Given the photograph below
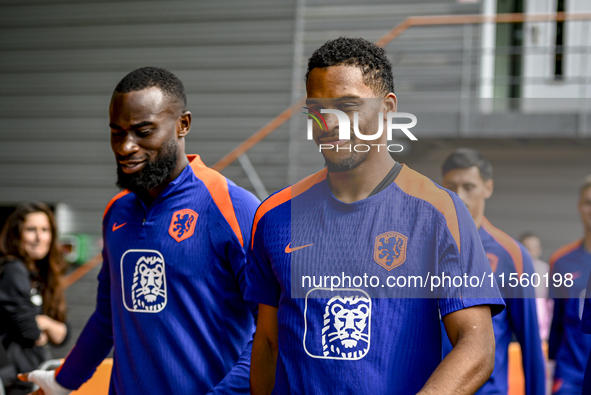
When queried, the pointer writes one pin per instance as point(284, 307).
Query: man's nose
point(127, 146)
point(332, 122)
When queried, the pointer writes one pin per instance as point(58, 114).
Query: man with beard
point(365, 217)
point(170, 289)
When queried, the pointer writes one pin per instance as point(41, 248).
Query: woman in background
point(32, 302)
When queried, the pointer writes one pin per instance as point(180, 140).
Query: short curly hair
point(368, 57)
point(148, 77)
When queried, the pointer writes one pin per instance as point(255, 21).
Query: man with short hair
point(364, 220)
point(170, 289)
point(468, 174)
point(570, 268)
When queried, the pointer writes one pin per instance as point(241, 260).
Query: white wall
point(538, 70)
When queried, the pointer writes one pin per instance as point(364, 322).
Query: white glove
point(46, 381)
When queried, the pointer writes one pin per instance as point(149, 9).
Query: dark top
point(19, 304)
point(17, 310)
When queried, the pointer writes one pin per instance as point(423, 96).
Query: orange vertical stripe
point(507, 242)
point(419, 186)
point(286, 194)
point(217, 186)
point(115, 198)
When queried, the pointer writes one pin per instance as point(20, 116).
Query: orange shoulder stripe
point(283, 196)
point(419, 186)
point(564, 250)
point(115, 198)
point(507, 242)
point(217, 185)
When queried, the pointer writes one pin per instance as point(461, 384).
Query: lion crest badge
point(345, 333)
point(390, 250)
point(182, 224)
point(144, 281)
point(337, 324)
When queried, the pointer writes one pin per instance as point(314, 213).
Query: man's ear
point(185, 124)
point(390, 104)
point(488, 186)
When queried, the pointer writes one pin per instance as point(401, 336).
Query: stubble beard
point(347, 163)
point(354, 158)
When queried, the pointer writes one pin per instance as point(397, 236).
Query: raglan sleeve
point(231, 245)
point(262, 285)
point(462, 261)
point(523, 319)
point(96, 340)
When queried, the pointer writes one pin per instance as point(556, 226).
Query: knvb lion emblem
point(337, 324)
point(346, 331)
point(182, 225)
point(148, 292)
point(390, 250)
point(143, 280)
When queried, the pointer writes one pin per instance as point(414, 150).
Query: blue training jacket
point(170, 291)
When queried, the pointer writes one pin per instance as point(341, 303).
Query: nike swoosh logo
point(115, 226)
point(288, 249)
